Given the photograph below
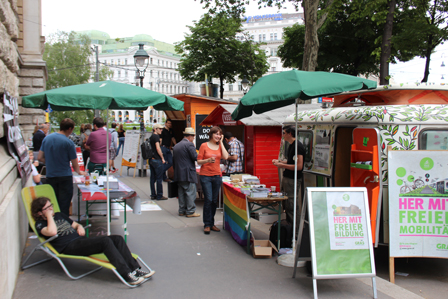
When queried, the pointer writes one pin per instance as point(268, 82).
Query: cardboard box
point(263, 249)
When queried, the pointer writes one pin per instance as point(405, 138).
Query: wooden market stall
point(196, 109)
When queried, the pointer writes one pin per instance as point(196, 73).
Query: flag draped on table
point(236, 213)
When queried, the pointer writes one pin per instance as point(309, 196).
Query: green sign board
point(341, 238)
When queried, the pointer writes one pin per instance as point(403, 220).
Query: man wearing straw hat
point(184, 157)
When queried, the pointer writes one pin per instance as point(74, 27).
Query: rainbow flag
point(236, 213)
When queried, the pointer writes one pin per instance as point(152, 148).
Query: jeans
point(63, 188)
point(186, 196)
point(168, 156)
point(156, 167)
point(120, 143)
point(288, 187)
point(112, 246)
point(210, 186)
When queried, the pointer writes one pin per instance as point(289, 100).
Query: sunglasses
point(49, 207)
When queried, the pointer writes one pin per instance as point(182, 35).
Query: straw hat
point(189, 131)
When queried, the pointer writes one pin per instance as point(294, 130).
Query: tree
point(315, 12)
point(213, 49)
point(67, 57)
point(426, 28)
point(345, 47)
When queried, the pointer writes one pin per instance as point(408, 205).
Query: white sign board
point(418, 203)
point(130, 151)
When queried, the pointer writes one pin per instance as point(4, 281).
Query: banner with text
point(341, 238)
point(418, 203)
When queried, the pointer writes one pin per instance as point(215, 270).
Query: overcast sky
point(166, 20)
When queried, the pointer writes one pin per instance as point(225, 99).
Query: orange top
point(209, 169)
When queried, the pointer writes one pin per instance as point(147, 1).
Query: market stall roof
point(221, 115)
point(187, 98)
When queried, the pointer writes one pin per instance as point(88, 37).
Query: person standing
point(167, 139)
point(121, 136)
point(184, 157)
point(156, 164)
point(210, 153)
point(113, 148)
point(97, 144)
point(288, 174)
point(235, 162)
point(39, 136)
point(57, 151)
point(84, 137)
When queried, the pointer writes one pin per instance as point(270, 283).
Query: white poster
point(418, 203)
point(347, 220)
point(130, 151)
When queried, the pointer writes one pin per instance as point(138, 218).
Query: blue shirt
point(58, 150)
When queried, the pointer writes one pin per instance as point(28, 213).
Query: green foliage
point(67, 57)
point(213, 49)
point(345, 47)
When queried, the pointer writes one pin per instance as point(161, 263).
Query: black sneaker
point(144, 274)
point(132, 279)
point(153, 197)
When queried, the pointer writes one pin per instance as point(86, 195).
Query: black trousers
point(63, 188)
point(114, 247)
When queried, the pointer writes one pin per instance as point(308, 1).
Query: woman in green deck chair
point(71, 240)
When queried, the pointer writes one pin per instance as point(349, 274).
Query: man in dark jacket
point(184, 157)
point(39, 136)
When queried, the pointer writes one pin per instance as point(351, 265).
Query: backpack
point(147, 152)
point(285, 234)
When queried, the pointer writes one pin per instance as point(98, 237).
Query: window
point(264, 37)
point(105, 61)
point(272, 36)
point(433, 140)
point(119, 74)
point(158, 61)
point(111, 61)
point(125, 61)
point(230, 87)
point(118, 61)
point(150, 60)
point(240, 86)
point(125, 73)
point(273, 69)
point(260, 37)
point(275, 36)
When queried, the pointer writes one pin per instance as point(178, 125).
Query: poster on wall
point(418, 203)
point(16, 144)
point(322, 149)
point(201, 131)
point(341, 237)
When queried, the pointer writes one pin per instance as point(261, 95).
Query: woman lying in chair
point(71, 240)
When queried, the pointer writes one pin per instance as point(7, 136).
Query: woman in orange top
point(210, 153)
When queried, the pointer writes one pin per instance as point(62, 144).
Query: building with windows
point(266, 29)
point(161, 75)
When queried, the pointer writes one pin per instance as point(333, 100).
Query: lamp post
point(245, 85)
point(141, 60)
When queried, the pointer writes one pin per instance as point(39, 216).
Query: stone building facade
point(22, 72)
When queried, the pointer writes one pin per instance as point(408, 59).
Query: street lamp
point(245, 85)
point(141, 60)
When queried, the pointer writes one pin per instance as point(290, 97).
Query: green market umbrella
point(102, 95)
point(282, 89)
point(285, 88)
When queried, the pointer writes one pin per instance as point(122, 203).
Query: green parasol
point(101, 95)
point(282, 89)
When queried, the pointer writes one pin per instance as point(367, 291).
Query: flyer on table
point(418, 203)
point(347, 220)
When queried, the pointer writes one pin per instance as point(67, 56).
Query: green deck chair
point(28, 195)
